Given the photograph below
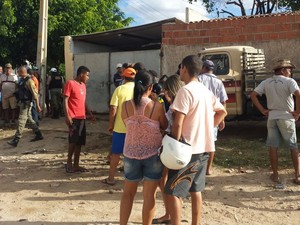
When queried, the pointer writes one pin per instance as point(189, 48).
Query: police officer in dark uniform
point(56, 84)
point(25, 95)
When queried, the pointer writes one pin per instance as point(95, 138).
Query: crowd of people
point(20, 104)
point(188, 107)
point(156, 107)
point(9, 80)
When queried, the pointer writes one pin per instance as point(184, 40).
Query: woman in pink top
point(144, 120)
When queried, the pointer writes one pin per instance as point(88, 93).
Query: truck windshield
point(221, 62)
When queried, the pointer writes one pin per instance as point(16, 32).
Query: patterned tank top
point(143, 136)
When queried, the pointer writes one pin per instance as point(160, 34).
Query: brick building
point(277, 34)
point(163, 44)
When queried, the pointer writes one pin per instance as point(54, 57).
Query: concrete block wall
point(277, 34)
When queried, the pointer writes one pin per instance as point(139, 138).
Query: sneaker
point(14, 142)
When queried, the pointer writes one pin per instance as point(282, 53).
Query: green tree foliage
point(292, 5)
point(19, 25)
point(258, 6)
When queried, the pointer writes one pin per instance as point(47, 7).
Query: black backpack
point(23, 94)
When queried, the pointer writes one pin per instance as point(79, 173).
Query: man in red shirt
point(75, 112)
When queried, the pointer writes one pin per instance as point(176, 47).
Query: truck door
point(231, 80)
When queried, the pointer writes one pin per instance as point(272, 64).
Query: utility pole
point(41, 58)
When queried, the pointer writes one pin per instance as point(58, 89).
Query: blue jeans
point(34, 113)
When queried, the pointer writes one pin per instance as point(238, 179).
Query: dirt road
point(34, 188)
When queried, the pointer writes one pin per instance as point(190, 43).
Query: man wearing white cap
point(279, 90)
point(8, 85)
point(118, 80)
point(55, 84)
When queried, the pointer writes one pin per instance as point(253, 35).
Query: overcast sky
point(145, 11)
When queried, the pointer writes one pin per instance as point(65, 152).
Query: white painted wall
point(84, 47)
point(98, 84)
point(102, 64)
point(150, 58)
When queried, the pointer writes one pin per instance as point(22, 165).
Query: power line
point(137, 9)
point(159, 12)
point(142, 11)
point(140, 5)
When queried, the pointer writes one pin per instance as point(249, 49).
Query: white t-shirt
point(170, 120)
point(279, 91)
point(8, 84)
point(199, 105)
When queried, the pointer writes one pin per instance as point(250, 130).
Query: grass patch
point(234, 151)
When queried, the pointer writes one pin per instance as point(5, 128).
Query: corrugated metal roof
point(148, 36)
point(141, 37)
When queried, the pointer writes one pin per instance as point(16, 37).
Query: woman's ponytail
point(142, 82)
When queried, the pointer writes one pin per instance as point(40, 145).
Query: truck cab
point(231, 63)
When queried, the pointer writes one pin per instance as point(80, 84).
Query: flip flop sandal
point(279, 186)
point(105, 181)
point(68, 170)
point(81, 170)
point(160, 221)
point(296, 181)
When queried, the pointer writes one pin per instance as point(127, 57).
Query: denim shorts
point(138, 169)
point(118, 140)
point(191, 178)
point(285, 129)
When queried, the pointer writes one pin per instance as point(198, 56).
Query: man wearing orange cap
point(116, 125)
point(279, 90)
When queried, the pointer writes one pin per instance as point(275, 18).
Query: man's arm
point(258, 104)
point(177, 125)
point(34, 93)
point(162, 119)
point(87, 110)
point(219, 116)
point(36, 99)
point(297, 95)
point(222, 124)
point(66, 110)
point(112, 116)
point(296, 113)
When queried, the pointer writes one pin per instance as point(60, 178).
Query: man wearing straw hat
point(279, 90)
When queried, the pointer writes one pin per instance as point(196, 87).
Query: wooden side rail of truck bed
point(254, 77)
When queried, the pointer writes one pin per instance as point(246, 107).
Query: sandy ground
point(34, 188)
